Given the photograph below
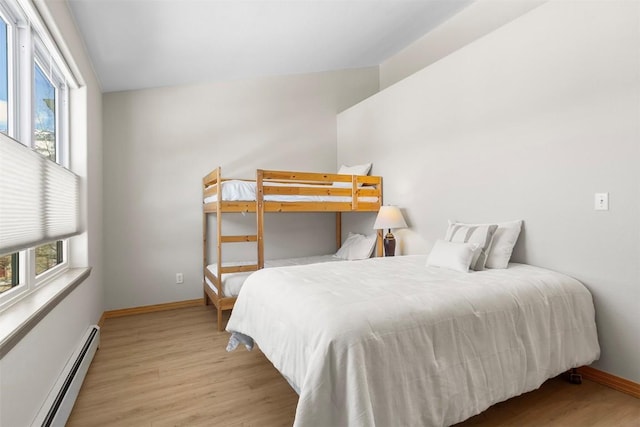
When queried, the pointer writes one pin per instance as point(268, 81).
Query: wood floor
point(171, 369)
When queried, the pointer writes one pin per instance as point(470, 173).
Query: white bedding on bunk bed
point(389, 341)
point(242, 191)
point(232, 282)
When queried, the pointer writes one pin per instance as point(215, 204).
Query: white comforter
point(391, 342)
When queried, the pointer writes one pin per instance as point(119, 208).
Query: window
point(44, 117)
point(34, 111)
point(8, 263)
point(45, 142)
point(48, 256)
point(8, 272)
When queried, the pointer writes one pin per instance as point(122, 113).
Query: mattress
point(390, 341)
point(243, 191)
point(232, 282)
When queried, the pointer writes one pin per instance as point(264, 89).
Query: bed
point(392, 342)
point(349, 190)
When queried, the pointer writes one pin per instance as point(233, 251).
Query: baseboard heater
point(57, 407)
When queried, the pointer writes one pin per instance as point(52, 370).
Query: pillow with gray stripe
point(480, 234)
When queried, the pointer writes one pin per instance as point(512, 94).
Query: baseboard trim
point(151, 308)
point(101, 321)
point(609, 380)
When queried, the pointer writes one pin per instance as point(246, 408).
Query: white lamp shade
point(389, 217)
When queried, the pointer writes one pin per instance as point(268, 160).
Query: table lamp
point(389, 217)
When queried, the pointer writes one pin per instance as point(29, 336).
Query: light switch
point(601, 202)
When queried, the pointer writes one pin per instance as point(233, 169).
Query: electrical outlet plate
point(179, 278)
point(601, 202)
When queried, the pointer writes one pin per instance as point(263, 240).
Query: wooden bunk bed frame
point(288, 184)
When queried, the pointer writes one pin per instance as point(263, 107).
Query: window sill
point(18, 319)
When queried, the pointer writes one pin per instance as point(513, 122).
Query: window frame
point(50, 273)
point(27, 47)
point(12, 48)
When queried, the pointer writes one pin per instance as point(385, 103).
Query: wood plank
point(300, 176)
point(307, 191)
point(238, 268)
point(224, 303)
point(319, 207)
point(338, 230)
point(610, 380)
point(205, 233)
point(110, 314)
point(211, 178)
point(237, 207)
point(249, 207)
point(260, 209)
point(379, 244)
point(239, 239)
point(313, 177)
point(210, 191)
point(369, 192)
point(369, 180)
point(323, 192)
point(354, 198)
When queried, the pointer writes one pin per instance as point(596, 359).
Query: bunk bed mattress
point(232, 282)
point(389, 341)
point(246, 191)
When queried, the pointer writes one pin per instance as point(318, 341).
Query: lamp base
point(389, 244)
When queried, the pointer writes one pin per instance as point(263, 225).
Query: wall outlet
point(601, 202)
point(179, 278)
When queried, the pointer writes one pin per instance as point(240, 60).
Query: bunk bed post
point(380, 240)
point(354, 192)
point(204, 244)
point(338, 230)
point(260, 216)
point(379, 244)
point(204, 254)
point(218, 283)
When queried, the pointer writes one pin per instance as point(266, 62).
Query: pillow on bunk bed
point(357, 246)
point(352, 170)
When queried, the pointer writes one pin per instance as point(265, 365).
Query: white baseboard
point(57, 407)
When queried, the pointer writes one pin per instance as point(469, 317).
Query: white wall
point(474, 21)
point(30, 369)
point(159, 143)
point(526, 122)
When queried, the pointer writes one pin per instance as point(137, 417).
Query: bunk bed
point(274, 191)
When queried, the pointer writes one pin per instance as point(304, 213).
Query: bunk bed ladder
point(221, 302)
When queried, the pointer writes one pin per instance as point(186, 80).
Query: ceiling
point(137, 44)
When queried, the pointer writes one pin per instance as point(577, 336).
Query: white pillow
point(452, 255)
point(504, 240)
point(352, 170)
point(481, 234)
point(357, 246)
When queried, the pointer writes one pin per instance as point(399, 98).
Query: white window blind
point(38, 198)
